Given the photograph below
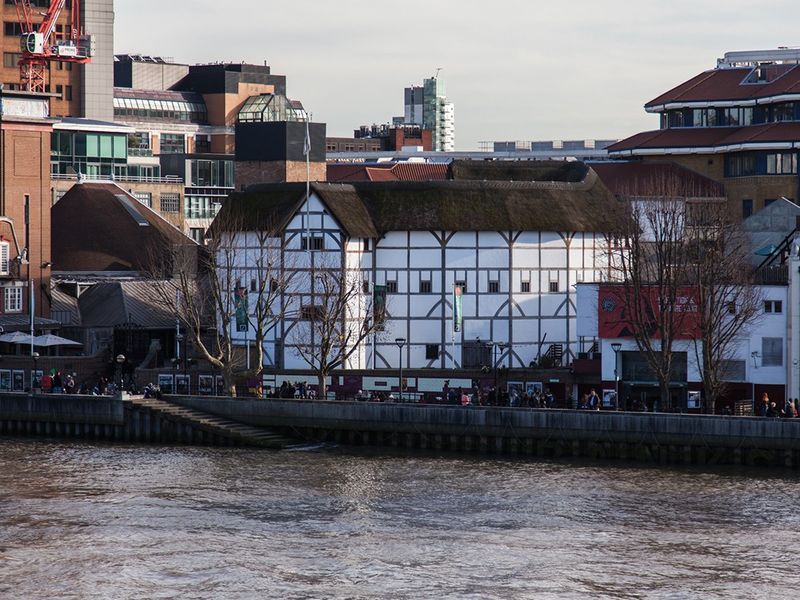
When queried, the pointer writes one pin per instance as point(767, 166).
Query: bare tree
point(649, 262)
point(682, 274)
point(334, 320)
point(232, 285)
point(728, 300)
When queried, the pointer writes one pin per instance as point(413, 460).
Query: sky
point(514, 69)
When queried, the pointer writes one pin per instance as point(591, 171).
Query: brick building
point(738, 124)
point(25, 257)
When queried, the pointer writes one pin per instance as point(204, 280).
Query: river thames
point(117, 522)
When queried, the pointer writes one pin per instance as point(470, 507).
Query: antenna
point(436, 76)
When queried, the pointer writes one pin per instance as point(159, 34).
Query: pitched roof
point(111, 304)
point(370, 209)
point(101, 227)
point(732, 84)
point(388, 172)
point(640, 179)
point(709, 137)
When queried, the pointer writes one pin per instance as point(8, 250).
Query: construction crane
point(40, 45)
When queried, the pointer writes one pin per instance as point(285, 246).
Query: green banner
point(240, 304)
point(457, 311)
point(379, 305)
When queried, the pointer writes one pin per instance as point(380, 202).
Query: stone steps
point(241, 433)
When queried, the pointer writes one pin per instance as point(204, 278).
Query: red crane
point(40, 45)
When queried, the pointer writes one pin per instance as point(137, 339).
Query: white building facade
point(515, 250)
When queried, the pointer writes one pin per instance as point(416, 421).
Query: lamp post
point(616, 347)
point(400, 343)
point(35, 383)
point(502, 346)
point(120, 360)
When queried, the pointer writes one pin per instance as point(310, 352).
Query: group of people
point(768, 408)
point(288, 389)
point(55, 383)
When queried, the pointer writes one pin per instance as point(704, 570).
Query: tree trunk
point(664, 398)
point(323, 392)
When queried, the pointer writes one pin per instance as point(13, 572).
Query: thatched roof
point(371, 209)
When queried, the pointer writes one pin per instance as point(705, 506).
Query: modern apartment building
point(428, 107)
point(738, 123)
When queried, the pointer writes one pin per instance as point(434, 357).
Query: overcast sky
point(515, 69)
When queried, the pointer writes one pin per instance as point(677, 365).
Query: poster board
point(205, 385)
point(693, 400)
point(5, 380)
point(182, 384)
point(18, 381)
point(609, 398)
point(165, 383)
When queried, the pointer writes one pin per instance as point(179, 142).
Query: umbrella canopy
point(49, 339)
point(16, 337)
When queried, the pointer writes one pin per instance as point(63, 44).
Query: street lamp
point(616, 347)
point(502, 346)
point(120, 360)
point(35, 383)
point(400, 343)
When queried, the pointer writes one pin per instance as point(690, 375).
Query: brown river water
point(121, 522)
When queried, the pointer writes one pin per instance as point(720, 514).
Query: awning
point(49, 339)
point(15, 337)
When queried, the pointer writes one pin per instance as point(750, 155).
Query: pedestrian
point(789, 411)
point(594, 400)
point(58, 387)
point(762, 409)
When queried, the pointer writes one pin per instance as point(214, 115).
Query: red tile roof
point(729, 84)
point(711, 137)
point(650, 179)
point(389, 172)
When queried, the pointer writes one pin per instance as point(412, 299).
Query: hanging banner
point(379, 306)
point(457, 311)
point(240, 304)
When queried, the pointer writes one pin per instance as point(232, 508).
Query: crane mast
point(40, 45)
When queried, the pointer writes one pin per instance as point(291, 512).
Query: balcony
point(120, 178)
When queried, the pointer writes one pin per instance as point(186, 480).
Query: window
point(431, 351)
point(526, 287)
point(773, 306)
point(13, 300)
point(772, 352)
point(145, 198)
point(554, 286)
point(170, 202)
point(391, 287)
point(172, 143)
point(197, 234)
point(747, 207)
point(365, 246)
point(317, 242)
point(768, 201)
point(253, 285)
point(494, 287)
point(310, 313)
point(463, 285)
point(4, 253)
point(781, 163)
point(365, 287)
point(425, 286)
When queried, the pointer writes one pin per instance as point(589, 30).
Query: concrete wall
point(51, 408)
point(519, 423)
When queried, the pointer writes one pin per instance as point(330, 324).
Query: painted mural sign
point(614, 316)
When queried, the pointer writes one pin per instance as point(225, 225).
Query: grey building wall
point(97, 85)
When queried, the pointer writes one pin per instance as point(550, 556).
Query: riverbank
point(647, 437)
